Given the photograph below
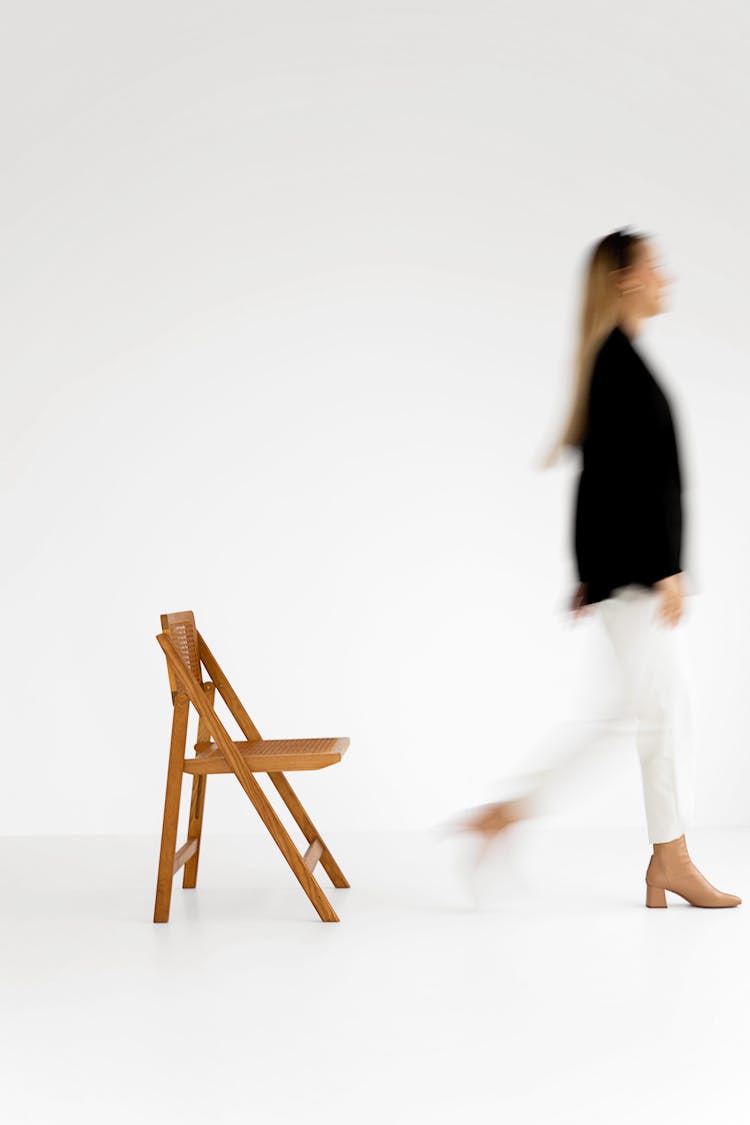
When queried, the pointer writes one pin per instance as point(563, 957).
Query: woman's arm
point(632, 464)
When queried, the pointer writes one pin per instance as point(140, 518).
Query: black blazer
point(628, 522)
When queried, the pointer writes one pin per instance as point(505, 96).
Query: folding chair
point(215, 752)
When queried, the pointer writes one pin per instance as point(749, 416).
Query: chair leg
point(306, 879)
point(284, 841)
point(171, 808)
point(309, 831)
point(195, 827)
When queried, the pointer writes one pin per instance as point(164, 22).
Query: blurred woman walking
point(627, 536)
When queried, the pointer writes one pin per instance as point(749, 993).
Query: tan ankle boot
point(671, 869)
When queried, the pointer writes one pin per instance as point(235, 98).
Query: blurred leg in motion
point(652, 703)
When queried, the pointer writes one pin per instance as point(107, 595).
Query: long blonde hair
point(599, 314)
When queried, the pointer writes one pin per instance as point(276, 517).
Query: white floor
point(544, 992)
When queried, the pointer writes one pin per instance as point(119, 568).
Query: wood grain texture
point(171, 807)
point(262, 756)
point(197, 803)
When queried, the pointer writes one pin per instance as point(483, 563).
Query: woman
point(628, 531)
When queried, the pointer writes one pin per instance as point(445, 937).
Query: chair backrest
point(180, 634)
point(181, 630)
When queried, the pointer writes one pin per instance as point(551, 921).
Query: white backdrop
point(289, 299)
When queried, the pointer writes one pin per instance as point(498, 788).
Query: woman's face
point(647, 272)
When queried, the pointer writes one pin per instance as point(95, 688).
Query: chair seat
point(270, 755)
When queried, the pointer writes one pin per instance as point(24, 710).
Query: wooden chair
point(215, 752)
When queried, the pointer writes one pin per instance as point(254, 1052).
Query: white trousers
point(651, 702)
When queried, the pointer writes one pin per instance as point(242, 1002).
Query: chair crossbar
point(313, 854)
point(183, 855)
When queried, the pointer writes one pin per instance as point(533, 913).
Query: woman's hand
point(672, 600)
point(577, 608)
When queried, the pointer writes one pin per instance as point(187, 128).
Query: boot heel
point(655, 896)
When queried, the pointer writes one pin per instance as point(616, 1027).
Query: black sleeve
point(633, 454)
